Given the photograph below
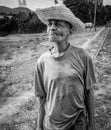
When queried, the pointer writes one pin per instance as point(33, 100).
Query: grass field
point(18, 56)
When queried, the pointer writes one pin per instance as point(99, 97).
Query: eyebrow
point(50, 20)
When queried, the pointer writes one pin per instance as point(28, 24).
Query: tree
point(55, 1)
point(79, 8)
point(20, 3)
point(84, 10)
point(24, 2)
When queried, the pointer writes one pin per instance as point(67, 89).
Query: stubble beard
point(58, 38)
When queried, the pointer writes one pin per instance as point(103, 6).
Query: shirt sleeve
point(90, 79)
point(39, 86)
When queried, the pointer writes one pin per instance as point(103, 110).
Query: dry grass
point(18, 56)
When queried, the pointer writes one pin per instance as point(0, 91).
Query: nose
point(53, 26)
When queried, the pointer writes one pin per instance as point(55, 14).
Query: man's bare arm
point(41, 113)
point(89, 102)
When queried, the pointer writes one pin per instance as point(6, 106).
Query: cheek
point(66, 33)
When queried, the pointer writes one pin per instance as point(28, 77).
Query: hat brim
point(61, 13)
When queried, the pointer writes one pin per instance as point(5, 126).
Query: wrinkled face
point(58, 30)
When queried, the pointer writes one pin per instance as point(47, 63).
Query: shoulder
point(80, 51)
point(81, 55)
point(42, 58)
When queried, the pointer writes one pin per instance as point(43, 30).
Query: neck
point(61, 47)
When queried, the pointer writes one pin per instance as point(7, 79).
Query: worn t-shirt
point(63, 81)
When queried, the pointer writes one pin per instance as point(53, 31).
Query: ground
point(18, 56)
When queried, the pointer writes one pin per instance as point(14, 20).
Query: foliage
point(22, 22)
point(85, 11)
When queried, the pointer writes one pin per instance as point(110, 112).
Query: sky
point(107, 2)
point(33, 4)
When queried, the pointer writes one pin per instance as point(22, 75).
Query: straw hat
point(60, 12)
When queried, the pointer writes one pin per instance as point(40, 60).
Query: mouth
point(53, 33)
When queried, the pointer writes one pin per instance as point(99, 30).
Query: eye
point(49, 24)
point(60, 24)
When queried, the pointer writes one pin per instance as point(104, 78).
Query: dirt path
point(103, 88)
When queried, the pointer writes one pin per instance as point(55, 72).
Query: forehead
point(59, 21)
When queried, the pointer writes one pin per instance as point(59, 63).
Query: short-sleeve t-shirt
point(63, 80)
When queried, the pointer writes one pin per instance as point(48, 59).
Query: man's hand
point(40, 128)
point(41, 114)
point(91, 127)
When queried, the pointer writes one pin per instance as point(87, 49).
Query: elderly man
point(64, 75)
